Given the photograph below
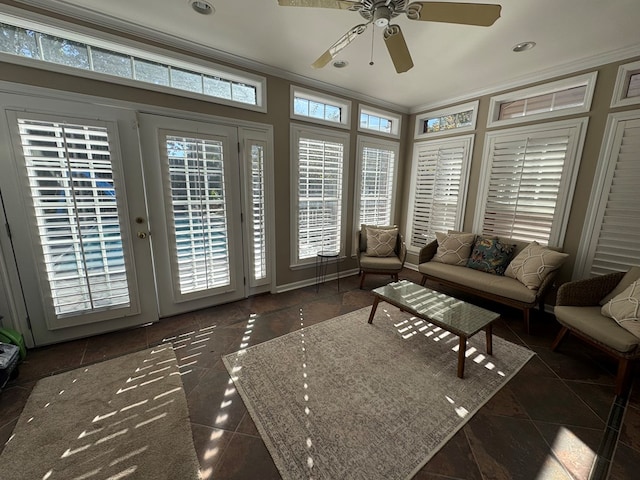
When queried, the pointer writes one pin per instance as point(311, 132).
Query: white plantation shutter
point(440, 170)
point(377, 170)
point(527, 174)
point(258, 238)
point(614, 239)
point(198, 212)
point(319, 184)
point(72, 188)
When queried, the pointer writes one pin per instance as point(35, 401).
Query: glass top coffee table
point(453, 315)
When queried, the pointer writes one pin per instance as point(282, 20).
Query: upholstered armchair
point(583, 309)
point(381, 251)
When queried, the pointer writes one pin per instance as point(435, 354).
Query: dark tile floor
point(549, 422)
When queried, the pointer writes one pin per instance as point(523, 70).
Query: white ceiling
point(451, 61)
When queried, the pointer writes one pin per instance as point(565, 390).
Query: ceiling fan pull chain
point(373, 32)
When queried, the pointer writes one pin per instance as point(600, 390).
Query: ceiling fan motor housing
point(380, 12)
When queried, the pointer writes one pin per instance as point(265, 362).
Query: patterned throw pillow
point(533, 264)
point(625, 308)
point(453, 248)
point(381, 242)
point(490, 255)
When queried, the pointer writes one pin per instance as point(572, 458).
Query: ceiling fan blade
point(339, 4)
point(398, 50)
point(483, 15)
point(342, 42)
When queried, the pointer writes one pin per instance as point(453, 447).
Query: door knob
point(142, 235)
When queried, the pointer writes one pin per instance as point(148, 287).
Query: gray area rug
point(347, 400)
point(125, 418)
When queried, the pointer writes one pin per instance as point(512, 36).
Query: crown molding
point(547, 74)
point(84, 14)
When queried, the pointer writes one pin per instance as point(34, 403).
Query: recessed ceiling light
point(340, 64)
point(521, 47)
point(202, 6)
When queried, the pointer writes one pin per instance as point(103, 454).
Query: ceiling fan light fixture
point(203, 7)
point(382, 16)
point(524, 46)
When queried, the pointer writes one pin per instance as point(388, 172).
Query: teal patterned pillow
point(490, 255)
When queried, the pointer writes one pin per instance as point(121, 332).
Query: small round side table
point(323, 259)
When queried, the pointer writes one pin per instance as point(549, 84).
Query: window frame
point(605, 170)
point(103, 40)
point(344, 105)
point(396, 121)
point(362, 142)
point(567, 182)
point(420, 119)
point(468, 142)
point(588, 79)
point(296, 132)
point(620, 91)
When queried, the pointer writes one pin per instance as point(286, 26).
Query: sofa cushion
point(631, 276)
point(591, 322)
point(381, 242)
point(453, 248)
point(494, 284)
point(625, 308)
point(533, 264)
point(490, 255)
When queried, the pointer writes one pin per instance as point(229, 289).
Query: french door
point(118, 218)
point(70, 200)
point(192, 174)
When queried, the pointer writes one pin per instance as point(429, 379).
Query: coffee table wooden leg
point(489, 340)
point(373, 308)
point(462, 350)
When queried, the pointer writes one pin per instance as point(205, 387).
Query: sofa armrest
point(587, 292)
point(427, 252)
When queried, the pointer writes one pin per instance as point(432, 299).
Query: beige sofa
point(498, 288)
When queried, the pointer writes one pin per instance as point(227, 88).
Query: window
point(627, 88)
point(458, 119)
point(380, 122)
point(318, 180)
point(93, 57)
point(376, 181)
point(440, 175)
point(611, 235)
point(527, 180)
point(71, 175)
point(319, 108)
point(563, 97)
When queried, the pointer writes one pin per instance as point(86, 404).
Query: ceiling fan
point(381, 12)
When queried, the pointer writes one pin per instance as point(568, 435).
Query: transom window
point(378, 121)
point(627, 88)
point(457, 119)
point(562, 97)
point(319, 108)
point(55, 47)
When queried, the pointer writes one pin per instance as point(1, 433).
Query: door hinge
point(8, 230)
point(244, 280)
point(238, 147)
point(29, 322)
point(241, 218)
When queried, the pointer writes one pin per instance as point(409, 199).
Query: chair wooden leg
point(394, 277)
point(525, 314)
point(424, 280)
point(561, 334)
point(623, 376)
point(362, 280)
